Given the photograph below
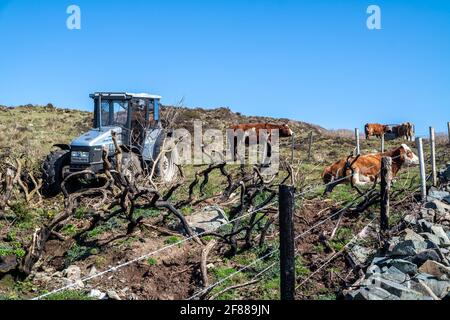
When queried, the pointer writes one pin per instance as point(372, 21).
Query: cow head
point(410, 159)
point(285, 131)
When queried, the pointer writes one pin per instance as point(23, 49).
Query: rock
point(92, 271)
point(97, 294)
point(437, 205)
point(395, 275)
point(210, 218)
point(437, 194)
point(422, 257)
point(411, 219)
point(72, 273)
point(373, 293)
point(399, 290)
point(408, 248)
point(441, 234)
point(373, 269)
point(7, 263)
point(431, 237)
point(361, 254)
point(439, 287)
point(404, 266)
point(113, 295)
point(435, 269)
point(425, 225)
point(411, 235)
point(428, 214)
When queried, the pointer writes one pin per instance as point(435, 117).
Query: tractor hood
point(97, 137)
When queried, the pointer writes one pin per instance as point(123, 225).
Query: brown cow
point(375, 129)
point(283, 129)
point(254, 129)
point(365, 169)
point(405, 131)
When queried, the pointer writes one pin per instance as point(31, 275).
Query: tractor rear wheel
point(52, 172)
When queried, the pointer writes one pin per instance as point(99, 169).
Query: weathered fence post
point(292, 149)
point(433, 156)
point(448, 128)
point(310, 145)
point(382, 143)
point(386, 177)
point(287, 243)
point(358, 149)
point(423, 178)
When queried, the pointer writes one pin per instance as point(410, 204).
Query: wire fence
point(209, 288)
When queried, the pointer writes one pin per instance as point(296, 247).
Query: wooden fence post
point(358, 149)
point(433, 156)
point(310, 145)
point(292, 150)
point(287, 242)
point(386, 177)
point(423, 178)
point(382, 143)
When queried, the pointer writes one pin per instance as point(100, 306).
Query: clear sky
point(312, 60)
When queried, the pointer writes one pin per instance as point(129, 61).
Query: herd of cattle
point(356, 170)
point(404, 130)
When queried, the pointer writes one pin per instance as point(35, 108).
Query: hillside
point(93, 238)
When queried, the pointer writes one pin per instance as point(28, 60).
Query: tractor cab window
point(114, 113)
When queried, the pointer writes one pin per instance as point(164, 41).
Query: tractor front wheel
point(52, 172)
point(165, 169)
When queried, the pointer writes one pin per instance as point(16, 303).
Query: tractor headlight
point(80, 156)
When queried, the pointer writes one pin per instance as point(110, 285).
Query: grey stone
point(437, 194)
point(380, 261)
point(113, 295)
point(361, 254)
point(425, 225)
point(8, 263)
point(374, 293)
point(422, 257)
point(399, 290)
point(441, 234)
point(411, 219)
point(72, 273)
point(210, 218)
point(395, 275)
point(428, 214)
point(439, 287)
point(408, 248)
point(437, 205)
point(97, 294)
point(411, 235)
point(404, 266)
point(92, 271)
point(431, 237)
point(373, 269)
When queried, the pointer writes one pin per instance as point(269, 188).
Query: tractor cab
point(133, 113)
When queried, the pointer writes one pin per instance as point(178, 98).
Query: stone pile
point(416, 264)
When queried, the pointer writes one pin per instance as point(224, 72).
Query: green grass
point(69, 295)
point(152, 261)
point(343, 236)
point(172, 240)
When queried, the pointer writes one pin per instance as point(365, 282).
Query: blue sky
point(312, 60)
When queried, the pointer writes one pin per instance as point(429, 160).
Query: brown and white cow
point(366, 168)
point(375, 129)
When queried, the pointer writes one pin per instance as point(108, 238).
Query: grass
point(343, 236)
point(172, 240)
point(152, 261)
point(69, 295)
